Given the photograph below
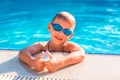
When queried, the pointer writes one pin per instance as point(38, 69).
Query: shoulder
point(40, 43)
point(72, 46)
point(36, 46)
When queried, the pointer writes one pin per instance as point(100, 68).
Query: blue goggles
point(66, 31)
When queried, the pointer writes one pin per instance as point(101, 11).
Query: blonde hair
point(66, 16)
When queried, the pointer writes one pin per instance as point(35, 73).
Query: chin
point(57, 41)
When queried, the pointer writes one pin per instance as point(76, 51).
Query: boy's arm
point(76, 55)
point(25, 55)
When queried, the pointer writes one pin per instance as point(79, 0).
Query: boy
point(61, 30)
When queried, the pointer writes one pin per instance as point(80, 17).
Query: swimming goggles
point(66, 31)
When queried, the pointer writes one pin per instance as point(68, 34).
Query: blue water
point(23, 22)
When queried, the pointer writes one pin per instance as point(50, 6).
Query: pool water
point(23, 22)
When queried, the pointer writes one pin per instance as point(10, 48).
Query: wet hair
point(65, 16)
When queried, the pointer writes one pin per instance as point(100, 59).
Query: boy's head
point(66, 17)
point(62, 27)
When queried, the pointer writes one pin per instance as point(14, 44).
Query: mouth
point(58, 38)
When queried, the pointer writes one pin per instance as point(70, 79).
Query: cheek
point(53, 33)
point(65, 38)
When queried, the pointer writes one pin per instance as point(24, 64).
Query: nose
point(60, 33)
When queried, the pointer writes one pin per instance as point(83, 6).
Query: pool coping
point(104, 67)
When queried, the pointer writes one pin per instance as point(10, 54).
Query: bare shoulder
point(71, 47)
point(34, 48)
point(36, 44)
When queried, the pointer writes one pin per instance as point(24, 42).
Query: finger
point(40, 55)
point(49, 54)
point(47, 64)
point(44, 60)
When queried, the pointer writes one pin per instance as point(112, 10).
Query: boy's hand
point(53, 64)
point(38, 63)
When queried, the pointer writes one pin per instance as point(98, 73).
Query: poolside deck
point(94, 67)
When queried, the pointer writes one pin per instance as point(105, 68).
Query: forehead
point(63, 23)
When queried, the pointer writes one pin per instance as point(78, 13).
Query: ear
point(49, 27)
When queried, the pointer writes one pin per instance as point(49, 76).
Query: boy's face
point(63, 35)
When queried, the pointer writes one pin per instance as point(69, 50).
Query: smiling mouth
point(58, 38)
